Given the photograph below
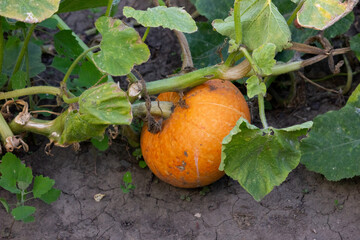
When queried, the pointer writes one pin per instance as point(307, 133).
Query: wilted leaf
point(173, 18)
point(105, 104)
point(333, 145)
point(205, 44)
point(118, 59)
point(261, 159)
point(255, 87)
point(23, 212)
point(261, 23)
point(28, 11)
point(321, 14)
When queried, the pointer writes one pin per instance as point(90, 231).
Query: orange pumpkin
point(187, 151)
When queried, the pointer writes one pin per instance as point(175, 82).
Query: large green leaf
point(23, 213)
point(105, 104)
point(174, 18)
point(12, 49)
point(261, 23)
point(205, 45)
point(121, 47)
point(10, 168)
point(76, 5)
point(28, 11)
point(355, 45)
point(321, 14)
point(213, 9)
point(42, 185)
point(333, 145)
point(261, 159)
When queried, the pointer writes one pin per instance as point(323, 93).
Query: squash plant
point(259, 46)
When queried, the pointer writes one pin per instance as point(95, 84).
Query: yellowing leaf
point(172, 18)
point(321, 14)
point(28, 11)
point(121, 47)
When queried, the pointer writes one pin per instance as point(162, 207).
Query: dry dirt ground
point(305, 207)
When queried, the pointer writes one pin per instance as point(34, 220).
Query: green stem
point(23, 49)
point(2, 44)
point(132, 78)
point(146, 34)
point(251, 61)
point(5, 130)
point(163, 109)
point(188, 80)
point(349, 76)
point(77, 60)
point(262, 111)
point(293, 14)
point(237, 22)
point(108, 9)
point(70, 100)
point(30, 91)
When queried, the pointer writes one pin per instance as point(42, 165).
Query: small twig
point(347, 86)
point(317, 85)
point(46, 111)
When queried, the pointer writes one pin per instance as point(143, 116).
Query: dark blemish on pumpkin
point(212, 88)
point(182, 167)
point(185, 153)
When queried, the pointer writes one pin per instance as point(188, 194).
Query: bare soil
point(305, 207)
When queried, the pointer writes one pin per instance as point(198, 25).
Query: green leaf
point(5, 204)
point(333, 145)
point(118, 59)
point(127, 177)
point(174, 18)
point(340, 27)
point(76, 129)
point(284, 7)
point(49, 23)
point(321, 14)
point(255, 87)
point(142, 164)
point(42, 185)
point(204, 45)
point(12, 49)
point(264, 56)
point(3, 80)
point(18, 80)
point(89, 75)
point(29, 11)
point(76, 5)
point(23, 212)
point(213, 9)
point(25, 178)
point(66, 44)
point(105, 104)
point(261, 159)
point(261, 23)
point(51, 196)
point(354, 99)
point(355, 45)
point(102, 144)
point(10, 166)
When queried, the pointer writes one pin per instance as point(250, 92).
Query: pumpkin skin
point(186, 153)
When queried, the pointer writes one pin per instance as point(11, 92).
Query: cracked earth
point(305, 206)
